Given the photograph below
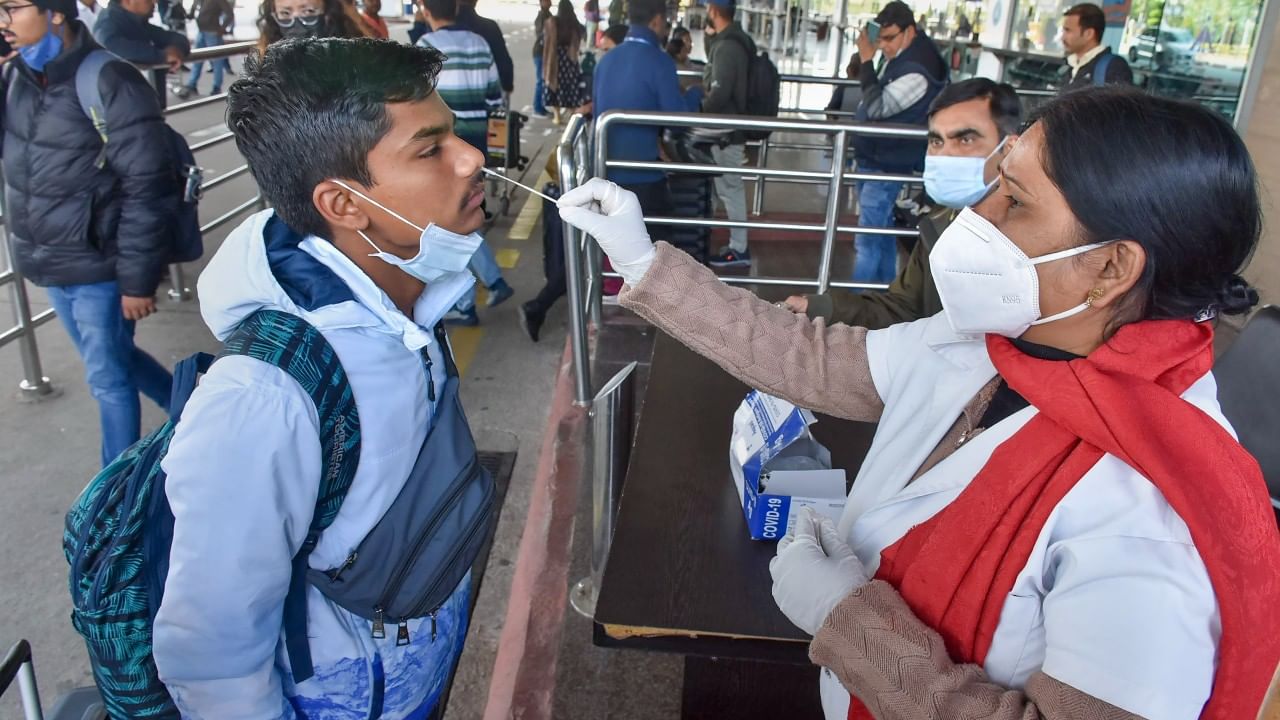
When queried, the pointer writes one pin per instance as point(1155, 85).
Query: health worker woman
point(1054, 519)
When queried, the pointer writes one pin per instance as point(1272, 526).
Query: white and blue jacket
point(243, 474)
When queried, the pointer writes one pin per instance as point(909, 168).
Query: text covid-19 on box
point(779, 467)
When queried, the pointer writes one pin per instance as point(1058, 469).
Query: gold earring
point(1094, 296)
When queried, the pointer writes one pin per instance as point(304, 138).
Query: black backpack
point(188, 242)
point(764, 89)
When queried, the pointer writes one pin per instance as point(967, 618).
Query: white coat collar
point(429, 309)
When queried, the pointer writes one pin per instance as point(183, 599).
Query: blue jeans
point(204, 40)
point(876, 256)
point(115, 369)
point(484, 265)
point(539, 104)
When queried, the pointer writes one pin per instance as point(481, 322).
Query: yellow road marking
point(527, 220)
point(507, 258)
point(465, 342)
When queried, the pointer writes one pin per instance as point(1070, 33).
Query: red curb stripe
point(524, 671)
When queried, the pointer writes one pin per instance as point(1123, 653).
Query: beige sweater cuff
point(899, 668)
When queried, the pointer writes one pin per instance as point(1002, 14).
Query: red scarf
point(956, 569)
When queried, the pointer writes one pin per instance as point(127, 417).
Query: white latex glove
point(613, 217)
point(813, 571)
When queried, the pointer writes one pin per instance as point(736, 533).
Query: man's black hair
point(616, 33)
point(729, 11)
point(898, 14)
point(311, 110)
point(1090, 17)
point(1006, 111)
point(642, 12)
point(442, 9)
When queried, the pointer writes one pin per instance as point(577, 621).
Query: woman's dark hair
point(569, 31)
point(306, 111)
point(339, 22)
point(1170, 175)
point(1006, 110)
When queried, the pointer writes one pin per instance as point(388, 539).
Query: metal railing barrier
point(18, 664)
point(34, 384)
point(582, 258)
point(612, 411)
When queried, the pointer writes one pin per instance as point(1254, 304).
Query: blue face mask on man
point(958, 182)
point(38, 55)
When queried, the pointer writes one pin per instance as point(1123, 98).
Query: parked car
point(1169, 47)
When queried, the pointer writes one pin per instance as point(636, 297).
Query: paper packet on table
point(779, 467)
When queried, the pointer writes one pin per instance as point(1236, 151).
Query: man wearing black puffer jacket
point(91, 222)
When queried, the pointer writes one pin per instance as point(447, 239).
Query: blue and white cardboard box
point(779, 467)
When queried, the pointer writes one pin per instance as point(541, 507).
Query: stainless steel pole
point(838, 151)
point(842, 19)
point(178, 290)
point(30, 694)
point(611, 414)
point(573, 271)
point(757, 205)
point(34, 384)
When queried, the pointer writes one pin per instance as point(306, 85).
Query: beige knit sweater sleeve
point(770, 348)
point(899, 668)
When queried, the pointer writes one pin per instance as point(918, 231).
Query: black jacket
point(492, 34)
point(70, 222)
point(1118, 72)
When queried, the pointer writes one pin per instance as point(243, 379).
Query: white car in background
point(1170, 48)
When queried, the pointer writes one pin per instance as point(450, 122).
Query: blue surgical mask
point(958, 182)
point(440, 253)
point(49, 47)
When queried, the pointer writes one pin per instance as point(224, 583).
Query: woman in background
point(561, 61)
point(281, 19)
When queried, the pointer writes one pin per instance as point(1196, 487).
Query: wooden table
point(683, 575)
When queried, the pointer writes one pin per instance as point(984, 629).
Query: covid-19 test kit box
point(779, 467)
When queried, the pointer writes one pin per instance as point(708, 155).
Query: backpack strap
point(1100, 70)
point(90, 95)
point(293, 345)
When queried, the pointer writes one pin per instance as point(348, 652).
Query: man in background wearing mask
point(972, 124)
point(376, 204)
point(899, 93)
point(124, 29)
point(89, 222)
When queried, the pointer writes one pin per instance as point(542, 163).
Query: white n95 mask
point(986, 283)
point(440, 252)
point(958, 182)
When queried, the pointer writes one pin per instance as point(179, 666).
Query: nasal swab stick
point(518, 184)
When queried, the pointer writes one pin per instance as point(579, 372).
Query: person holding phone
point(900, 93)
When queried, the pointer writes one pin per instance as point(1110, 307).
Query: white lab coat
point(1114, 600)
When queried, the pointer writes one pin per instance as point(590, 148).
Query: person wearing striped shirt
point(468, 84)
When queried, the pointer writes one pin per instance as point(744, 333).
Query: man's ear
point(338, 206)
point(58, 18)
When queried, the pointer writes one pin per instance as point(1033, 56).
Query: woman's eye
point(1013, 202)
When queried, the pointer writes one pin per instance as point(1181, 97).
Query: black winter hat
point(66, 7)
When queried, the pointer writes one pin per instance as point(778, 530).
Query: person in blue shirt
point(640, 75)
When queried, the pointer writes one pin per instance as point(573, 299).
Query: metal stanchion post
point(34, 384)
point(757, 204)
point(838, 151)
point(573, 266)
point(178, 292)
point(611, 414)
